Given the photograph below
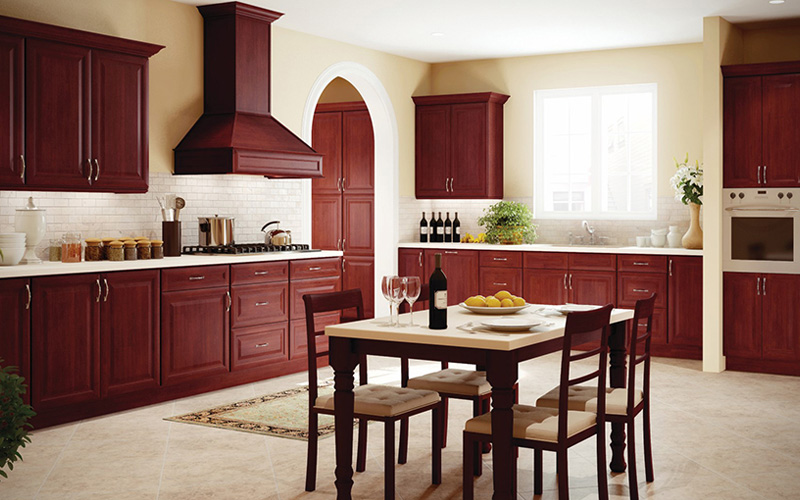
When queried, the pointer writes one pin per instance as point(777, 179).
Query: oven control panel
point(778, 197)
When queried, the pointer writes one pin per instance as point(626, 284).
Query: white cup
point(658, 240)
point(641, 241)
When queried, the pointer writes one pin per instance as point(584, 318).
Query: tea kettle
point(277, 236)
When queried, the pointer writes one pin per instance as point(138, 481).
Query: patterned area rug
point(284, 414)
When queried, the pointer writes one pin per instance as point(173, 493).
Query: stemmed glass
point(387, 294)
point(397, 292)
point(412, 294)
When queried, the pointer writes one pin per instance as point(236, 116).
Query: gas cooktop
point(246, 248)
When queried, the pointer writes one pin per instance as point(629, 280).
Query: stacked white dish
point(13, 247)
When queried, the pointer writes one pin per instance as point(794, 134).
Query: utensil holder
point(171, 234)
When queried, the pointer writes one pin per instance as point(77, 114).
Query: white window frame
point(593, 212)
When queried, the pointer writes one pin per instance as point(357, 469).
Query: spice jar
point(143, 249)
point(130, 249)
point(55, 250)
point(106, 244)
point(94, 252)
point(156, 249)
point(114, 251)
point(71, 248)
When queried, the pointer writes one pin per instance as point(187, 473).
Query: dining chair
point(623, 404)
point(381, 403)
point(554, 429)
point(448, 382)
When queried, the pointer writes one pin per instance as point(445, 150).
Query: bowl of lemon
point(502, 302)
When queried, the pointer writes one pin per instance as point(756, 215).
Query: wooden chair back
point(639, 347)
point(581, 328)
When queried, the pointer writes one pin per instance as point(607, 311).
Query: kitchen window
point(595, 152)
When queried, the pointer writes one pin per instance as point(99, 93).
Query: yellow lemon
point(502, 294)
point(476, 301)
point(492, 302)
point(506, 303)
point(518, 301)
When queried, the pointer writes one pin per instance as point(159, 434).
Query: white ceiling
point(475, 29)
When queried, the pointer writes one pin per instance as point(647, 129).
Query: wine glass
point(397, 288)
point(412, 294)
point(385, 289)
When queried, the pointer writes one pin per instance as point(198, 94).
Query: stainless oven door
point(762, 239)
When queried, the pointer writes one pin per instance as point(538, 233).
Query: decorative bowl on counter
point(493, 310)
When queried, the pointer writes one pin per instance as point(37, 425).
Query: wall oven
point(761, 231)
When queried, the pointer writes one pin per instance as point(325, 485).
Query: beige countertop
point(545, 247)
point(55, 268)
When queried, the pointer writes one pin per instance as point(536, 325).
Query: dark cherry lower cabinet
point(411, 262)
point(685, 337)
point(545, 286)
point(461, 269)
point(761, 322)
point(15, 341)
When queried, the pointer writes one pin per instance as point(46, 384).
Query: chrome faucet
point(589, 229)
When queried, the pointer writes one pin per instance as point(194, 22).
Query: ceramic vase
point(674, 237)
point(693, 239)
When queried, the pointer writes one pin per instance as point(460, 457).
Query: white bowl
point(493, 310)
point(12, 256)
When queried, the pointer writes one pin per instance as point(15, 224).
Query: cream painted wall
point(677, 69)
point(340, 90)
point(771, 44)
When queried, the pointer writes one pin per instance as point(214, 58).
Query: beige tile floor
point(716, 436)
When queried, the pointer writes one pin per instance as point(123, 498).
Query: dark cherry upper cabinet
point(326, 138)
point(358, 228)
point(15, 341)
point(65, 340)
point(461, 269)
point(685, 302)
point(12, 102)
point(459, 145)
point(761, 107)
point(85, 109)
point(358, 153)
point(326, 221)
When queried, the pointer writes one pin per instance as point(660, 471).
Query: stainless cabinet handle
point(765, 181)
point(642, 325)
point(500, 259)
point(344, 242)
point(452, 189)
point(640, 290)
point(570, 282)
point(196, 278)
point(670, 267)
point(343, 259)
point(759, 174)
point(641, 263)
point(447, 184)
point(265, 344)
point(500, 284)
point(339, 244)
point(764, 283)
point(565, 281)
point(28, 289)
point(259, 304)
point(89, 177)
point(96, 169)
point(260, 273)
point(758, 286)
point(105, 296)
point(339, 184)
point(314, 268)
point(22, 160)
point(344, 184)
point(99, 291)
point(420, 259)
point(450, 252)
point(230, 302)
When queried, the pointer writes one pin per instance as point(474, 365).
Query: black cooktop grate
point(244, 248)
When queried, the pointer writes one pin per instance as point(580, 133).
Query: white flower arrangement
point(688, 182)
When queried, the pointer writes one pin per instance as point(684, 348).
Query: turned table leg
point(501, 371)
point(344, 361)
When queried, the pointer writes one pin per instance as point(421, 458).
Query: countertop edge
point(546, 247)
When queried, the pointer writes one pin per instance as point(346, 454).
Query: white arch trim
point(384, 123)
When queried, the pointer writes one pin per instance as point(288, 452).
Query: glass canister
point(130, 249)
point(71, 247)
point(157, 249)
point(55, 249)
point(143, 250)
point(114, 251)
point(94, 252)
point(106, 245)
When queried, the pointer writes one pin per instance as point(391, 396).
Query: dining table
point(465, 340)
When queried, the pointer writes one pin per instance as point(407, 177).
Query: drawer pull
point(28, 290)
point(641, 263)
point(500, 259)
point(641, 290)
point(642, 325)
point(230, 302)
point(196, 278)
point(258, 304)
point(500, 284)
point(450, 252)
point(260, 273)
point(315, 268)
point(265, 344)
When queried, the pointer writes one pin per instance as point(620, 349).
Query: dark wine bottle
point(432, 229)
point(448, 229)
point(437, 311)
point(423, 229)
point(439, 229)
point(456, 230)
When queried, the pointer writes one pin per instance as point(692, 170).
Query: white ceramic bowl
point(493, 310)
point(12, 255)
point(658, 240)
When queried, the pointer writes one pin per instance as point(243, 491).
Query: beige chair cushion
point(531, 422)
point(584, 398)
point(384, 400)
point(453, 381)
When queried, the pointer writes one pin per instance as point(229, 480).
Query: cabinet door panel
point(359, 226)
point(57, 115)
point(359, 272)
point(259, 345)
point(495, 279)
point(191, 278)
point(781, 120)
point(326, 139)
point(411, 262)
point(686, 301)
point(297, 308)
point(636, 286)
point(15, 340)
point(259, 272)
point(546, 260)
point(12, 131)
point(432, 151)
point(468, 143)
point(642, 263)
point(741, 131)
point(545, 286)
point(259, 304)
point(741, 315)
point(501, 259)
point(119, 122)
point(461, 269)
point(326, 221)
point(195, 331)
point(129, 339)
point(314, 268)
point(65, 340)
point(781, 317)
point(593, 287)
point(358, 153)
point(592, 261)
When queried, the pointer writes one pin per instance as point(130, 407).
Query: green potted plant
point(14, 416)
point(508, 222)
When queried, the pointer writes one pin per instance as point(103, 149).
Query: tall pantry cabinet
point(343, 200)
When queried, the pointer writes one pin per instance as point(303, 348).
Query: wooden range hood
point(236, 133)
